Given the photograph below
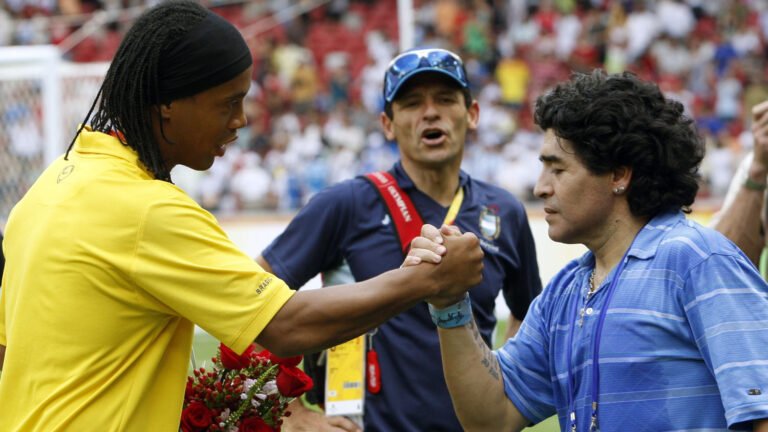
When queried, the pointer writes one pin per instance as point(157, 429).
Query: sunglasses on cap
point(411, 63)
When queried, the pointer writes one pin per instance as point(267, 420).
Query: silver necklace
point(590, 291)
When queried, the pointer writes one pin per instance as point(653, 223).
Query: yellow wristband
point(753, 185)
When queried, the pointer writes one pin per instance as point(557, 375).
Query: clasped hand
point(458, 257)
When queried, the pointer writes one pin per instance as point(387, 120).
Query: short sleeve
point(524, 362)
point(726, 302)
point(185, 261)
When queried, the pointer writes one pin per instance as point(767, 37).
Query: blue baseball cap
point(414, 62)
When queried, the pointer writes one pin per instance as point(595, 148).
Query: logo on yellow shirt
point(263, 285)
point(65, 173)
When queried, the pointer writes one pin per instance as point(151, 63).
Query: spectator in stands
point(348, 233)
point(660, 325)
point(512, 75)
point(716, 36)
point(642, 27)
point(111, 265)
point(742, 218)
point(370, 84)
point(304, 84)
point(6, 26)
point(675, 17)
point(250, 182)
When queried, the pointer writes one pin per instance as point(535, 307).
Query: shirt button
point(589, 311)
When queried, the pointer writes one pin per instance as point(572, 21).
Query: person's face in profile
point(199, 128)
point(578, 204)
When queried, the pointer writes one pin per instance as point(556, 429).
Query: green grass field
point(205, 348)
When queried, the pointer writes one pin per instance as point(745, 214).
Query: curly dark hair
point(619, 120)
point(131, 85)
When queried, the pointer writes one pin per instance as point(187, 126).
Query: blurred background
point(315, 101)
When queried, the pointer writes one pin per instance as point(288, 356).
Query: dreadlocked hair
point(131, 87)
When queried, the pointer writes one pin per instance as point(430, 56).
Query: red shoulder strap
point(404, 215)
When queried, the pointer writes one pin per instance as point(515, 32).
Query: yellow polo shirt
point(107, 270)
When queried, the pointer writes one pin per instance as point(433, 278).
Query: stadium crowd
point(315, 102)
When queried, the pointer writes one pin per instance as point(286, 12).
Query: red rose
point(288, 361)
point(292, 381)
point(231, 360)
point(254, 424)
point(196, 417)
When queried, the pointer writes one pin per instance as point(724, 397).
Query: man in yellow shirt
point(110, 265)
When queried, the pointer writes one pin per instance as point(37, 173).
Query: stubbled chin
point(562, 237)
point(553, 232)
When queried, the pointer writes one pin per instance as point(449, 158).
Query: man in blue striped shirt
point(661, 326)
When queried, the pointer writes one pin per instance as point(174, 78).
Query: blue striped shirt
point(684, 345)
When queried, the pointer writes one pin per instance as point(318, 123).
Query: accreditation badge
point(345, 364)
point(345, 378)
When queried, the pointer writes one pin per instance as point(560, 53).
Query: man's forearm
point(513, 325)
point(316, 319)
point(313, 320)
point(761, 425)
point(741, 223)
point(475, 383)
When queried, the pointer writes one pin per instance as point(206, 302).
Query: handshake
point(455, 261)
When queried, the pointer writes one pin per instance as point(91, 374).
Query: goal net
point(42, 100)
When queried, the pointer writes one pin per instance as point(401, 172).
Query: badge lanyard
point(373, 371)
point(453, 210)
point(595, 388)
point(354, 365)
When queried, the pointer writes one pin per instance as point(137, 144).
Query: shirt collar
point(93, 142)
point(405, 182)
point(648, 238)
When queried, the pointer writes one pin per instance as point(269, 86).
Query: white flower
point(243, 396)
point(270, 387)
point(255, 402)
point(260, 396)
point(224, 415)
point(248, 384)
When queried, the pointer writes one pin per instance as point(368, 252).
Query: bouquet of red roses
point(243, 393)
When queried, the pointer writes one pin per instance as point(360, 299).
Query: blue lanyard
point(595, 390)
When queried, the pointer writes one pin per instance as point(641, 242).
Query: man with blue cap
point(362, 227)
point(110, 265)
